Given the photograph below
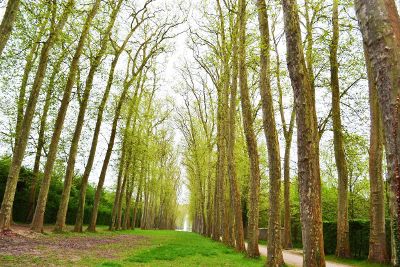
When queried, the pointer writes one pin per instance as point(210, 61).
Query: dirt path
point(21, 246)
point(294, 258)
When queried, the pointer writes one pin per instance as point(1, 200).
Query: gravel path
point(294, 258)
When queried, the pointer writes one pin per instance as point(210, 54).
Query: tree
point(307, 140)
point(41, 137)
point(37, 221)
point(7, 23)
point(380, 27)
point(274, 257)
point(252, 249)
point(19, 151)
point(343, 242)
point(377, 236)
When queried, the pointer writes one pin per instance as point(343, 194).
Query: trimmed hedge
point(20, 208)
point(359, 237)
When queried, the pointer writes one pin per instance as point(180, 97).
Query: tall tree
point(37, 221)
point(19, 150)
point(380, 27)
point(30, 61)
point(84, 99)
point(274, 257)
point(288, 129)
point(232, 173)
point(89, 165)
point(158, 36)
point(307, 140)
point(7, 23)
point(377, 237)
point(41, 137)
point(251, 139)
point(342, 236)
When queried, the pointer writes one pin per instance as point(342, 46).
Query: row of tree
point(231, 56)
point(100, 58)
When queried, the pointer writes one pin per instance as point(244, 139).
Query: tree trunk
point(8, 22)
point(307, 141)
point(30, 60)
point(377, 238)
point(235, 193)
point(19, 150)
point(251, 139)
point(37, 221)
point(274, 255)
point(89, 165)
point(342, 233)
point(288, 135)
point(380, 27)
point(41, 138)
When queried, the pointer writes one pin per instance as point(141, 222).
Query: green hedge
point(20, 208)
point(359, 237)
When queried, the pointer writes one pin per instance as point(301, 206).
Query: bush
point(359, 237)
point(20, 208)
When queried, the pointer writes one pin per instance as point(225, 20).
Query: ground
point(128, 248)
point(122, 248)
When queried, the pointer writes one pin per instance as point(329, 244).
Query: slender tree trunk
point(38, 217)
point(288, 134)
point(138, 196)
point(19, 150)
point(274, 256)
point(342, 236)
point(41, 138)
point(307, 141)
point(235, 193)
point(92, 225)
point(251, 140)
point(7, 23)
point(30, 60)
point(377, 238)
point(380, 27)
point(88, 168)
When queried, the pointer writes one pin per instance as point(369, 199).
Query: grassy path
point(122, 248)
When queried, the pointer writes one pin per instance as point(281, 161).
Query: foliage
point(20, 208)
point(359, 237)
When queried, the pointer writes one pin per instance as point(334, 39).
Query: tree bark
point(38, 217)
point(307, 140)
point(89, 165)
point(377, 238)
point(41, 138)
point(235, 192)
point(380, 27)
point(274, 255)
point(30, 60)
point(342, 233)
point(288, 135)
point(20, 147)
point(251, 139)
point(7, 23)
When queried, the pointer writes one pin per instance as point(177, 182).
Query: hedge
point(20, 208)
point(359, 237)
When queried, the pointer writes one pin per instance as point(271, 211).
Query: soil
point(25, 244)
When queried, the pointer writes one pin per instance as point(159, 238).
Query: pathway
point(295, 258)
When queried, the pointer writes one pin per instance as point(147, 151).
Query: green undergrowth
point(172, 248)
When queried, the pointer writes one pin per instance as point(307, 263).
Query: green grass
point(149, 248)
point(354, 262)
point(170, 248)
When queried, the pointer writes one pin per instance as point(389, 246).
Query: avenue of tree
point(83, 94)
